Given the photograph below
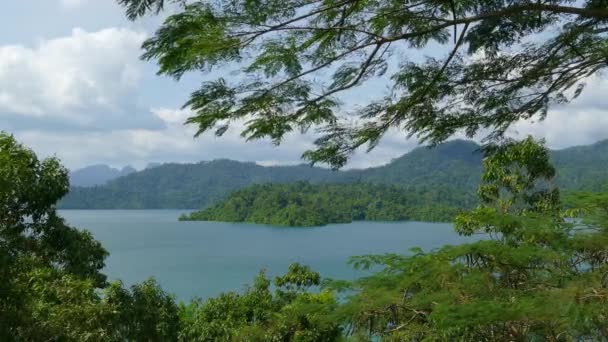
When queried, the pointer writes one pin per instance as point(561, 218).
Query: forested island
point(303, 204)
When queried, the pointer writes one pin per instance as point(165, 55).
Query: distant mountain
point(153, 165)
point(188, 186)
point(456, 164)
point(582, 167)
point(97, 175)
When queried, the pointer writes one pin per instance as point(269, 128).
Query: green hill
point(456, 164)
point(582, 167)
point(186, 186)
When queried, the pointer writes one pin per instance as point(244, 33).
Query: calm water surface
point(202, 259)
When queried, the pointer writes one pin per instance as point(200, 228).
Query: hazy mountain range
point(97, 175)
point(101, 174)
point(455, 164)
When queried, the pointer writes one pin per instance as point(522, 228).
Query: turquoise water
point(202, 259)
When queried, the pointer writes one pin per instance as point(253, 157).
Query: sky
point(72, 86)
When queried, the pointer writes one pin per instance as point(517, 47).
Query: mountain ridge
point(97, 174)
point(192, 186)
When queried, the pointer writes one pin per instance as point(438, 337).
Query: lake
point(202, 259)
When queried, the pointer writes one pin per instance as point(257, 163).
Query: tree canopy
point(51, 285)
point(502, 61)
point(537, 276)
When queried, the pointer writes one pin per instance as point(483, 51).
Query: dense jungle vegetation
point(305, 205)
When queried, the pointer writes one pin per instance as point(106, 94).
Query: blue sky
point(72, 85)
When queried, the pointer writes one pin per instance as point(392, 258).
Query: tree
point(35, 243)
point(504, 61)
point(51, 285)
point(535, 277)
point(29, 224)
point(292, 313)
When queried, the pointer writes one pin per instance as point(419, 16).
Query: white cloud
point(565, 128)
point(175, 143)
point(583, 121)
point(85, 80)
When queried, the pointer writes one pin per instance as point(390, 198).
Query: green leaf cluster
point(538, 275)
point(51, 285)
point(498, 62)
point(291, 313)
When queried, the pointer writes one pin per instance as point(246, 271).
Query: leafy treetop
point(536, 276)
point(504, 61)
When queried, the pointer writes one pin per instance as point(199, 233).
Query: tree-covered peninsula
point(303, 204)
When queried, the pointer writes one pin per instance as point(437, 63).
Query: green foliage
point(502, 61)
point(537, 277)
point(51, 285)
point(29, 225)
point(140, 7)
point(63, 307)
point(290, 314)
point(143, 313)
point(304, 204)
point(34, 241)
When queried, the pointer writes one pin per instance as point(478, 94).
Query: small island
point(303, 204)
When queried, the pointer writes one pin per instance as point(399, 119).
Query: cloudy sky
point(72, 85)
